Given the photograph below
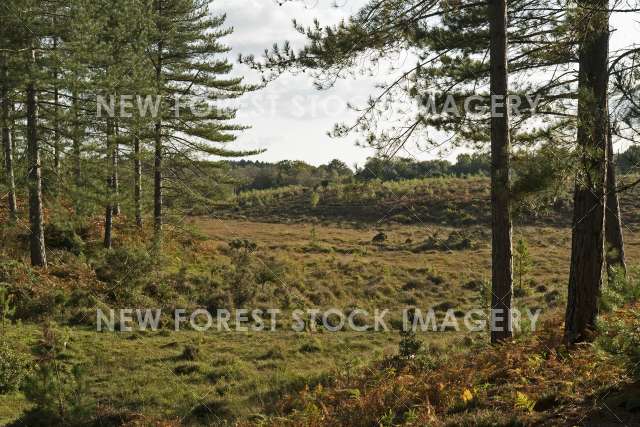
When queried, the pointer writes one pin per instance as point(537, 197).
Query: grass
point(145, 373)
point(305, 256)
point(454, 201)
point(242, 374)
point(533, 380)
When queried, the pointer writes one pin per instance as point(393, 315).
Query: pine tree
point(189, 64)
point(587, 247)
point(36, 215)
point(6, 105)
point(119, 43)
point(502, 258)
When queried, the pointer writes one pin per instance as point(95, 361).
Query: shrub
point(315, 199)
point(14, 367)
point(409, 344)
point(124, 266)
point(312, 346)
point(622, 338)
point(271, 354)
point(186, 369)
point(56, 388)
point(59, 236)
point(233, 372)
point(619, 289)
point(522, 265)
point(32, 305)
point(11, 271)
point(190, 352)
point(58, 392)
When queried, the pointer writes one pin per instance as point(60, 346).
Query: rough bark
point(13, 129)
point(75, 141)
point(56, 139)
point(36, 216)
point(137, 181)
point(615, 257)
point(109, 208)
point(587, 246)
point(157, 164)
point(157, 183)
point(115, 174)
point(7, 143)
point(501, 256)
point(56, 126)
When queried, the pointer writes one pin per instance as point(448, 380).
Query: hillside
point(444, 201)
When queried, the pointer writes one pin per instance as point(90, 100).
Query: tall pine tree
point(191, 78)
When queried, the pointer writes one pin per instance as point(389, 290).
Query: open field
point(211, 378)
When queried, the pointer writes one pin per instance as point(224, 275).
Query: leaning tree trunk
point(7, 143)
point(614, 239)
point(36, 216)
point(108, 217)
point(501, 253)
point(587, 246)
point(137, 180)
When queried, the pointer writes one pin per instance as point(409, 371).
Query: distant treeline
point(256, 175)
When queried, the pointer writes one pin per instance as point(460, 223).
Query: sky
point(290, 117)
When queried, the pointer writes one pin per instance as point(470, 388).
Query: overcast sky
point(290, 117)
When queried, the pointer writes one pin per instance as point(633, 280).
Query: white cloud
point(290, 118)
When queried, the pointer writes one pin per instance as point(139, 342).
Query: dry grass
point(531, 381)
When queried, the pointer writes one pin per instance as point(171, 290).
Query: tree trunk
point(36, 216)
point(7, 144)
point(13, 129)
point(587, 246)
point(56, 142)
point(115, 179)
point(137, 180)
point(157, 183)
point(157, 164)
point(615, 257)
point(501, 253)
point(108, 217)
point(56, 126)
point(76, 136)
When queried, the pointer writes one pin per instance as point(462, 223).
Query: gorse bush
point(620, 289)
point(12, 271)
point(124, 266)
point(14, 367)
point(64, 237)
